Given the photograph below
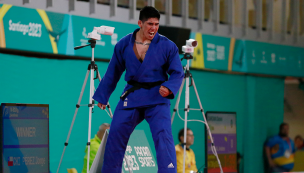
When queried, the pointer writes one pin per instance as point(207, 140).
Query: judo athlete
point(148, 58)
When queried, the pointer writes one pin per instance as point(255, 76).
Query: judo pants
point(123, 124)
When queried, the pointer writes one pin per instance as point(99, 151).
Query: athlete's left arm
point(175, 71)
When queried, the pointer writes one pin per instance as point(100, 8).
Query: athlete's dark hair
point(148, 12)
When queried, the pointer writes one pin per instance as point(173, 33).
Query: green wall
point(258, 102)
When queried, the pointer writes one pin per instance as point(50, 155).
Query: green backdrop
point(258, 102)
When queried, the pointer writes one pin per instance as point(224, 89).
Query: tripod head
point(95, 35)
point(187, 56)
point(92, 43)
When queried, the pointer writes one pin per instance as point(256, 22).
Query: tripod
point(91, 68)
point(188, 75)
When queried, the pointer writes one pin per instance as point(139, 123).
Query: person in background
point(299, 142)
point(190, 164)
point(280, 151)
point(95, 143)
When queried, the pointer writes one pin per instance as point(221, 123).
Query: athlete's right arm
point(109, 81)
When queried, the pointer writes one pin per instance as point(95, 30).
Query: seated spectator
point(299, 142)
point(280, 151)
point(190, 164)
point(94, 145)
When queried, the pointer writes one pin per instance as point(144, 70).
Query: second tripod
point(187, 108)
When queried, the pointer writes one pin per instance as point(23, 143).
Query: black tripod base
point(94, 67)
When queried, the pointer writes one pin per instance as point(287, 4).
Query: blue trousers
point(123, 124)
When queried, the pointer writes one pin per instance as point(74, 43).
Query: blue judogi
point(161, 59)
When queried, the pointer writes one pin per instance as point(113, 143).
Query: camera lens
point(194, 43)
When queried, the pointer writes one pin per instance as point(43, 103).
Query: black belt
point(137, 85)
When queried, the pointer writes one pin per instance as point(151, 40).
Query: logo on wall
point(32, 29)
point(56, 35)
point(144, 156)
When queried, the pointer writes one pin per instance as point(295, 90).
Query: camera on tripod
point(188, 49)
point(95, 35)
point(190, 45)
point(105, 30)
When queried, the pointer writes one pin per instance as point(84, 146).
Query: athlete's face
point(149, 27)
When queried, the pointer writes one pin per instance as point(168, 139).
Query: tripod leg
point(197, 96)
point(110, 111)
point(207, 126)
point(91, 105)
point(187, 106)
point(99, 77)
point(71, 127)
point(109, 107)
point(177, 101)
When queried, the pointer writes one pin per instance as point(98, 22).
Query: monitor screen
point(175, 34)
point(24, 138)
point(223, 129)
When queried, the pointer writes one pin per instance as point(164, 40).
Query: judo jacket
point(161, 63)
